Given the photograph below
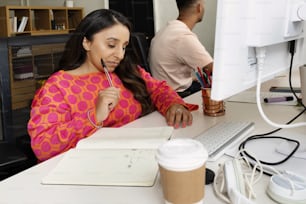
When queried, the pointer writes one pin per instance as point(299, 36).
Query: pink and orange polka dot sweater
point(59, 109)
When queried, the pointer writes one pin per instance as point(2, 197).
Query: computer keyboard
point(219, 137)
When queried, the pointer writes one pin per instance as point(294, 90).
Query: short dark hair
point(185, 4)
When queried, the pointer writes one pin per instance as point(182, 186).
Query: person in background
point(176, 52)
point(79, 99)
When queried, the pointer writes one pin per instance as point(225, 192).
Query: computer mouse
point(209, 177)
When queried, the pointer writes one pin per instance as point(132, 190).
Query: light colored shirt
point(60, 107)
point(175, 53)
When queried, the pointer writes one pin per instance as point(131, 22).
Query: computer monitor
point(244, 25)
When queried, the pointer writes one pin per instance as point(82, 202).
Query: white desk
point(25, 187)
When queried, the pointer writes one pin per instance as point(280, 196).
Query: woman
point(76, 101)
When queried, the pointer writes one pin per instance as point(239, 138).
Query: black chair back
point(141, 45)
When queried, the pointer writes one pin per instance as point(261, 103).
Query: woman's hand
point(107, 100)
point(177, 115)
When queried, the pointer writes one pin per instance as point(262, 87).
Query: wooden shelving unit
point(25, 62)
point(30, 65)
point(28, 57)
point(40, 20)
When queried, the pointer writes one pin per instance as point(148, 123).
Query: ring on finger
point(179, 110)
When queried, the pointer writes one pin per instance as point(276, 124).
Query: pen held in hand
point(278, 99)
point(110, 105)
point(106, 73)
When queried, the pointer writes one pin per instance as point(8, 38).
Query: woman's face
point(108, 44)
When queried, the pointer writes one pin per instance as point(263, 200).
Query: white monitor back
point(242, 25)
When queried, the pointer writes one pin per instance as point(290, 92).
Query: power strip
point(235, 183)
point(233, 176)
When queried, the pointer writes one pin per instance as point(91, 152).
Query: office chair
point(11, 159)
point(14, 156)
point(140, 43)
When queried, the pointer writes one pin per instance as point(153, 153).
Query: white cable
point(260, 55)
point(251, 180)
point(218, 191)
point(250, 177)
point(272, 169)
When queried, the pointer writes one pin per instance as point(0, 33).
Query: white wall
point(88, 5)
point(9, 2)
point(165, 10)
point(206, 29)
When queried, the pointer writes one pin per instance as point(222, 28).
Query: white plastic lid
point(181, 154)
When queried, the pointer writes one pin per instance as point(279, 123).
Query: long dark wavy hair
point(75, 55)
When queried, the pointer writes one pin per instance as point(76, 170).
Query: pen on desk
point(278, 99)
point(206, 78)
point(199, 79)
point(202, 77)
point(106, 73)
point(208, 74)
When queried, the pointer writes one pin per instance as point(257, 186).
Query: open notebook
point(112, 156)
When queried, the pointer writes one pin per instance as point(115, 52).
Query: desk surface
point(25, 187)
